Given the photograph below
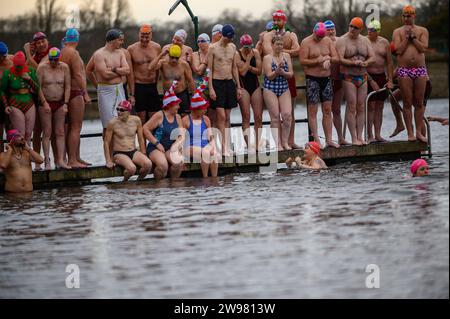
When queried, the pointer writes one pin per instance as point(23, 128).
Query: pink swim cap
point(418, 164)
point(320, 29)
point(126, 105)
point(246, 40)
point(12, 135)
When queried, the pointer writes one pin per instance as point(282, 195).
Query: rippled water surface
point(291, 234)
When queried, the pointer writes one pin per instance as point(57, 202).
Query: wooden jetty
point(394, 151)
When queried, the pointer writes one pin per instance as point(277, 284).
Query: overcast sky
point(151, 10)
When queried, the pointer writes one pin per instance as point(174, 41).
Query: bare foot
point(363, 142)
point(344, 143)
point(76, 165)
point(332, 144)
point(397, 131)
point(372, 140)
point(37, 167)
point(48, 165)
point(357, 143)
point(295, 146)
point(381, 140)
point(287, 148)
point(412, 138)
point(422, 138)
point(84, 162)
point(62, 166)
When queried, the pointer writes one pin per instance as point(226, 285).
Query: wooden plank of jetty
point(394, 151)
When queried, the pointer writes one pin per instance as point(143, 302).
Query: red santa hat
point(197, 100)
point(170, 99)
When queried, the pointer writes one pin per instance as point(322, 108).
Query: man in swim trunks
point(172, 69)
point(291, 46)
point(110, 68)
point(216, 33)
point(5, 64)
point(379, 78)
point(338, 91)
point(54, 78)
point(223, 80)
point(121, 134)
point(144, 94)
point(16, 163)
point(79, 97)
point(355, 54)
point(411, 43)
point(179, 39)
point(317, 52)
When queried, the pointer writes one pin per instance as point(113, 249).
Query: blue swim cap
point(269, 26)
point(228, 31)
point(329, 24)
point(3, 49)
point(72, 36)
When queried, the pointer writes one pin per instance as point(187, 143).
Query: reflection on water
point(291, 234)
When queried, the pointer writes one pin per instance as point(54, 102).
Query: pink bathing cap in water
point(418, 164)
point(11, 135)
point(320, 29)
point(126, 105)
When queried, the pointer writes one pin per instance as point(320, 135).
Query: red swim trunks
point(292, 87)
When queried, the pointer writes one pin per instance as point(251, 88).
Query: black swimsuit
point(249, 81)
point(130, 154)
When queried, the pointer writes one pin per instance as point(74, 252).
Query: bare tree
point(46, 10)
point(122, 13)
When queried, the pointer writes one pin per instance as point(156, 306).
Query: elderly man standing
point(379, 78)
point(110, 67)
point(144, 82)
point(175, 69)
point(356, 54)
point(216, 33)
point(317, 52)
point(79, 97)
point(411, 43)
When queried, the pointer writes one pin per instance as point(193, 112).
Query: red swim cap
point(126, 105)
point(246, 40)
point(314, 146)
point(19, 59)
point(279, 15)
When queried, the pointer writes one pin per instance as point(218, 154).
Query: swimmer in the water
point(311, 158)
point(419, 168)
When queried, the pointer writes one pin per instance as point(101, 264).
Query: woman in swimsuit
point(250, 68)
point(200, 143)
point(19, 83)
point(164, 131)
point(277, 69)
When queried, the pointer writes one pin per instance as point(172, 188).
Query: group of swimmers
point(44, 92)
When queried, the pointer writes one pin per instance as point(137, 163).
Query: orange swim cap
point(357, 22)
point(146, 28)
point(409, 10)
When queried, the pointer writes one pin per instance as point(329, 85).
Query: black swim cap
point(113, 34)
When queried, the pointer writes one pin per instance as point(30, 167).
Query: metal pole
point(191, 14)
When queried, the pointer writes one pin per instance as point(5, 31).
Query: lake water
point(291, 234)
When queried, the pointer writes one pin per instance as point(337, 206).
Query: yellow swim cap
point(175, 51)
point(375, 24)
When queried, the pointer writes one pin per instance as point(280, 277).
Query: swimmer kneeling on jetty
point(310, 160)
